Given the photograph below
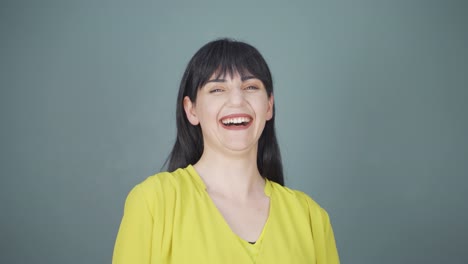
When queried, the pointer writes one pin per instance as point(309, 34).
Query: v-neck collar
point(242, 242)
point(195, 176)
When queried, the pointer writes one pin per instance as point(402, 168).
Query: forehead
point(228, 75)
point(222, 79)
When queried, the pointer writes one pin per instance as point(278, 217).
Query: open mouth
point(236, 121)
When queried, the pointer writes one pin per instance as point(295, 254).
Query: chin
point(240, 147)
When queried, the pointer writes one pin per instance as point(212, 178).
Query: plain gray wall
point(371, 103)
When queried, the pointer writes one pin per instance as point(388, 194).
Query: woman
point(224, 201)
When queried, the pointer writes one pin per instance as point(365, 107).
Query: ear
point(270, 107)
point(189, 108)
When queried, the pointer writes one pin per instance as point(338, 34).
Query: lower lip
point(236, 127)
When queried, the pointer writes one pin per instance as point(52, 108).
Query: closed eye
point(216, 90)
point(251, 87)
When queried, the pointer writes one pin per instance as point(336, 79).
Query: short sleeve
point(329, 240)
point(324, 239)
point(133, 243)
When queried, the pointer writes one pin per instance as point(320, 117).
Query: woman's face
point(232, 112)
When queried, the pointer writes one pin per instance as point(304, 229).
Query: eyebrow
point(245, 78)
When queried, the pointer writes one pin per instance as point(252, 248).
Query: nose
point(236, 96)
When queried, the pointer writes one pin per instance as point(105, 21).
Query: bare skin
point(228, 165)
point(243, 204)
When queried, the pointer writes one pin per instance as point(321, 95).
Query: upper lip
point(235, 116)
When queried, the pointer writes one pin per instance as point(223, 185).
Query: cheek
point(262, 107)
point(208, 113)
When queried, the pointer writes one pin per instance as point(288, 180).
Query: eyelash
point(250, 87)
point(216, 90)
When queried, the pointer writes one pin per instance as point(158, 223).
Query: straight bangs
point(227, 58)
point(219, 59)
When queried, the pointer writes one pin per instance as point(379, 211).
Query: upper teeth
point(236, 120)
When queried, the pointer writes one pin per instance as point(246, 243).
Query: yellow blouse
point(170, 218)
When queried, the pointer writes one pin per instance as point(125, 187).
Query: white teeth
point(236, 120)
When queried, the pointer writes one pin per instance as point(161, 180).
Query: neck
point(232, 176)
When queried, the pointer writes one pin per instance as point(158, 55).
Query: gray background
point(371, 117)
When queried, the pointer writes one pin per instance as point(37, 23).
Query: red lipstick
point(236, 121)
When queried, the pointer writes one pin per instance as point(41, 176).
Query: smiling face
point(231, 111)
